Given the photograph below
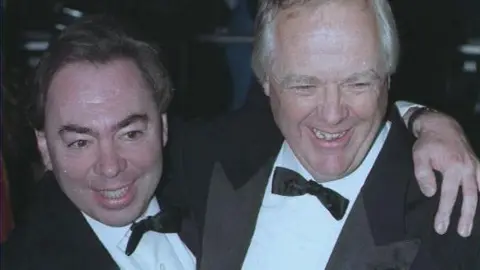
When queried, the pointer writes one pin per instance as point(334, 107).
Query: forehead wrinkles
point(268, 16)
point(97, 93)
point(321, 16)
point(276, 6)
point(298, 27)
point(95, 83)
point(291, 9)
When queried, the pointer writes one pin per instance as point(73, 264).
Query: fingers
point(469, 205)
point(449, 191)
point(424, 174)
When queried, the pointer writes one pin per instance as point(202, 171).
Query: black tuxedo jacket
point(56, 236)
point(220, 171)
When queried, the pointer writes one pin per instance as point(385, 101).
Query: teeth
point(328, 136)
point(114, 194)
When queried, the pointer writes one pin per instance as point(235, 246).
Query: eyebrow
point(74, 128)
point(133, 118)
point(371, 73)
point(293, 78)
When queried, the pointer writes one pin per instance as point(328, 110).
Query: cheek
point(147, 160)
point(144, 156)
point(293, 110)
point(369, 111)
point(367, 106)
point(72, 165)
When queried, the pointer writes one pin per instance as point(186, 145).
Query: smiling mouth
point(327, 136)
point(115, 194)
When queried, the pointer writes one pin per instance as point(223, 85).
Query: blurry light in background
point(72, 12)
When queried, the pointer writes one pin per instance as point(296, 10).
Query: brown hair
point(97, 39)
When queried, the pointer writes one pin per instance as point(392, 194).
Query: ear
point(43, 148)
point(266, 86)
point(164, 129)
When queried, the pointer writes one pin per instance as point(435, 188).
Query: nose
point(109, 163)
point(330, 106)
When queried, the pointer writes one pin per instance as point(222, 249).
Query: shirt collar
point(118, 236)
point(288, 159)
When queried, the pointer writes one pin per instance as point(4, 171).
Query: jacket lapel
point(188, 232)
point(238, 177)
point(231, 217)
point(374, 235)
point(71, 235)
point(356, 248)
point(237, 187)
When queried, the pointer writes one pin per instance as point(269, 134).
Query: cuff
point(404, 106)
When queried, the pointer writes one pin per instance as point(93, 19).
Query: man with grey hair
point(328, 180)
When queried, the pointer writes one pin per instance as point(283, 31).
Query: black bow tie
point(289, 183)
point(168, 221)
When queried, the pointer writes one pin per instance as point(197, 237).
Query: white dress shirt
point(299, 232)
point(404, 106)
point(159, 251)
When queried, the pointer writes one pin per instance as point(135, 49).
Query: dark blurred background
point(207, 47)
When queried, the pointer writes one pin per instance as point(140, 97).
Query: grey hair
point(263, 45)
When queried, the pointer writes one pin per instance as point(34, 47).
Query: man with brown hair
point(98, 108)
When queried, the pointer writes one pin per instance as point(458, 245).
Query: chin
point(329, 176)
point(332, 172)
point(120, 218)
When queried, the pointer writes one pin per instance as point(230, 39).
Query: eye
point(302, 87)
point(303, 90)
point(133, 135)
point(361, 84)
point(78, 144)
point(358, 87)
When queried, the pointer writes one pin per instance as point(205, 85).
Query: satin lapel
point(230, 218)
point(356, 248)
point(354, 242)
point(374, 234)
